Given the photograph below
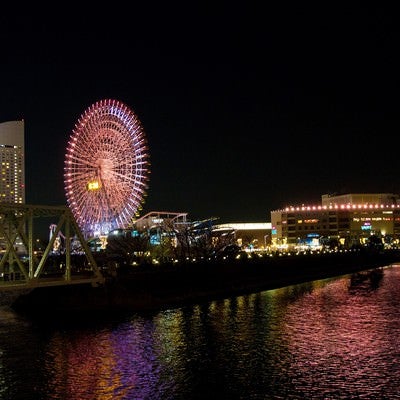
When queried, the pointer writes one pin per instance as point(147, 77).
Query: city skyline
point(245, 111)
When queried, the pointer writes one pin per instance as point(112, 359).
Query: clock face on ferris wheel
point(106, 168)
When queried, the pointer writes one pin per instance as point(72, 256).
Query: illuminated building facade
point(12, 161)
point(350, 219)
point(249, 235)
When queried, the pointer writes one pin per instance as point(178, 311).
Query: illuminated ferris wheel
point(106, 168)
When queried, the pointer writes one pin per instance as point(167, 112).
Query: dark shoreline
point(167, 286)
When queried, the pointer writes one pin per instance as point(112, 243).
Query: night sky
point(246, 109)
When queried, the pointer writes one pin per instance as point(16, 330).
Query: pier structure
point(24, 264)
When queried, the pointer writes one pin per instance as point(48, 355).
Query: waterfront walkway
point(161, 286)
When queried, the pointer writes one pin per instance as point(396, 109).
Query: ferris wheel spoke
point(82, 161)
point(131, 178)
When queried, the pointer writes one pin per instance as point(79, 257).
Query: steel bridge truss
point(27, 267)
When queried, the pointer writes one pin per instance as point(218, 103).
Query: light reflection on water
point(330, 339)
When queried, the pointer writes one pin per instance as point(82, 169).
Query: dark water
point(331, 339)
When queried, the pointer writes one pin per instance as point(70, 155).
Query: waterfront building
point(160, 224)
point(12, 162)
point(349, 220)
point(156, 224)
point(247, 235)
point(251, 236)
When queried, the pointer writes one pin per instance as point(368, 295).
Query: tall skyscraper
point(12, 162)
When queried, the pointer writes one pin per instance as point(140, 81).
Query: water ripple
point(331, 339)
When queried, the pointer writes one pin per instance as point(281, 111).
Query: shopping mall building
point(349, 219)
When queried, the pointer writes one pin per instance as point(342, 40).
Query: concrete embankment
point(156, 287)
